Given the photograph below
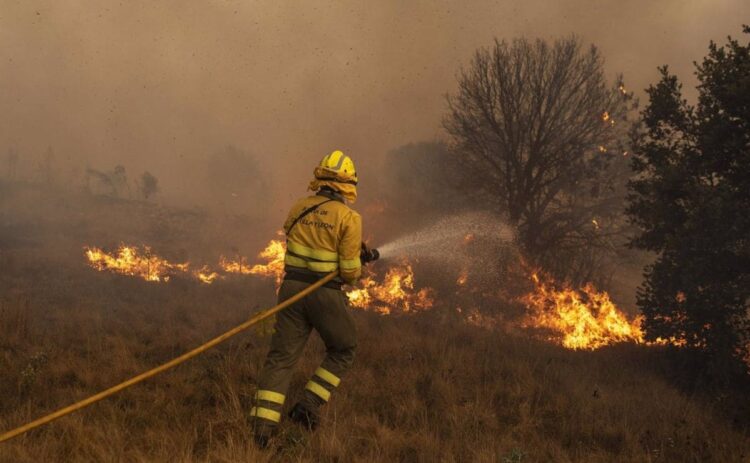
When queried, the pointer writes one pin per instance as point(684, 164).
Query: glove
point(368, 255)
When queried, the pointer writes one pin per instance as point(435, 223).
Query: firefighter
point(323, 235)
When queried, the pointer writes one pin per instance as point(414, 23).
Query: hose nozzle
point(367, 255)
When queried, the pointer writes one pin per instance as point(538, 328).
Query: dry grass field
point(424, 388)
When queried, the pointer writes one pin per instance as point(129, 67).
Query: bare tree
point(119, 179)
point(102, 182)
point(112, 184)
point(538, 132)
point(148, 185)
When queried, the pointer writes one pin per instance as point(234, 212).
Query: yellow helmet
point(337, 167)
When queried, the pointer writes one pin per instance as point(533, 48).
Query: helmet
point(337, 167)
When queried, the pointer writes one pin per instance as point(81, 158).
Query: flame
point(396, 292)
point(602, 149)
point(129, 260)
point(206, 275)
point(579, 319)
point(606, 117)
point(622, 89)
point(584, 318)
point(273, 254)
point(234, 266)
point(463, 277)
point(274, 266)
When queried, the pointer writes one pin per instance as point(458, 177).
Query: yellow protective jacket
point(327, 239)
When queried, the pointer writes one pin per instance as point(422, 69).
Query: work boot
point(262, 441)
point(262, 433)
point(304, 417)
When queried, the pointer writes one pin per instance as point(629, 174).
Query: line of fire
point(444, 231)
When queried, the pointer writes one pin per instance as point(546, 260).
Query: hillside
point(430, 386)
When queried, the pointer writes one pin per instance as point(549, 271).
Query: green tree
point(540, 136)
point(691, 200)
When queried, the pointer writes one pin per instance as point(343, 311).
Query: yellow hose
point(166, 366)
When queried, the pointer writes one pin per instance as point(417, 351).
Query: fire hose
point(176, 361)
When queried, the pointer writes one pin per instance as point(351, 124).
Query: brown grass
point(423, 388)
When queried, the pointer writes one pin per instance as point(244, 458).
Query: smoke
point(158, 85)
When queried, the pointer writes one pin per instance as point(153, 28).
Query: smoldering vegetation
point(443, 388)
point(518, 187)
point(459, 394)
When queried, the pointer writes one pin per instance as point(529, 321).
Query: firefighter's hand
point(368, 255)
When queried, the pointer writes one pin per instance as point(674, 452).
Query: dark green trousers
point(326, 311)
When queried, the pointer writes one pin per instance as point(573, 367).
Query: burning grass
point(578, 319)
point(442, 392)
point(394, 293)
point(582, 318)
point(134, 261)
point(424, 387)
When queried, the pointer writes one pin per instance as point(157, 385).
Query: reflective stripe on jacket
point(326, 239)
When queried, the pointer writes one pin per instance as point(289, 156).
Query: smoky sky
point(152, 83)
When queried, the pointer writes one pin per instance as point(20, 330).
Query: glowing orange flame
point(584, 318)
point(463, 277)
point(274, 266)
point(206, 275)
point(239, 266)
point(128, 260)
point(395, 293)
point(579, 319)
point(273, 254)
point(606, 117)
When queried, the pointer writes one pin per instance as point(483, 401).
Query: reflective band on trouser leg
point(327, 376)
point(318, 390)
point(266, 414)
point(270, 396)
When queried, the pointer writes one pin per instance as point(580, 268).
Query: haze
point(149, 84)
